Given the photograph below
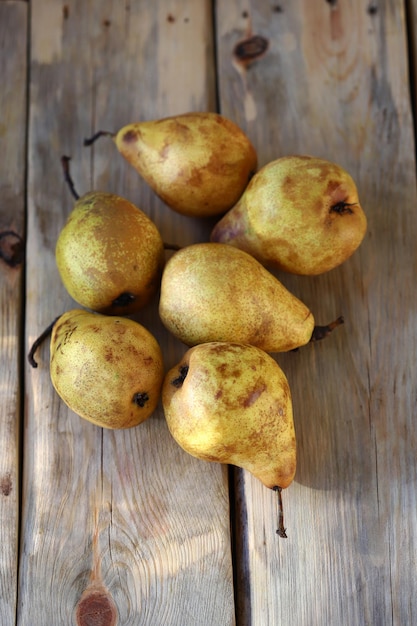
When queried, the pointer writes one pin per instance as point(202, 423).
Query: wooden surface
point(13, 80)
point(166, 539)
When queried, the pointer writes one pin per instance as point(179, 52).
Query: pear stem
point(320, 332)
point(88, 141)
point(67, 176)
point(281, 529)
point(65, 160)
point(38, 342)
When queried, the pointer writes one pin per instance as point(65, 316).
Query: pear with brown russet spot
point(299, 213)
point(109, 253)
point(199, 163)
point(216, 292)
point(231, 403)
point(107, 369)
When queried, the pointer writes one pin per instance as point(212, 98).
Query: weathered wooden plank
point(333, 82)
point(128, 508)
point(13, 19)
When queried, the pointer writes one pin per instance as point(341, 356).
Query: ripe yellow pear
point(215, 292)
point(231, 403)
point(109, 254)
point(107, 369)
point(198, 163)
point(299, 213)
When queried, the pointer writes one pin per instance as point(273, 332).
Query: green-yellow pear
point(107, 369)
point(216, 292)
point(198, 163)
point(299, 213)
point(109, 254)
point(231, 403)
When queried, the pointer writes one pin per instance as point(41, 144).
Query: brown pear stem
point(88, 141)
point(65, 160)
point(320, 332)
point(281, 529)
point(38, 342)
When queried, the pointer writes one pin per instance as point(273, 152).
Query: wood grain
point(153, 521)
point(334, 82)
point(127, 515)
point(13, 79)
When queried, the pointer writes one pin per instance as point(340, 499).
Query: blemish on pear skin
point(332, 188)
point(196, 179)
point(288, 182)
point(141, 398)
point(130, 136)
point(57, 328)
point(165, 151)
point(68, 334)
point(183, 371)
point(219, 348)
point(223, 368)
point(109, 356)
point(221, 234)
point(177, 127)
point(253, 395)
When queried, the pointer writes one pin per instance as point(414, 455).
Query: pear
point(107, 369)
point(216, 292)
point(198, 163)
point(231, 403)
point(299, 213)
point(109, 254)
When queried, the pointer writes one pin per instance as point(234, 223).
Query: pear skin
point(198, 163)
point(107, 369)
point(231, 403)
point(216, 292)
point(300, 214)
point(109, 254)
